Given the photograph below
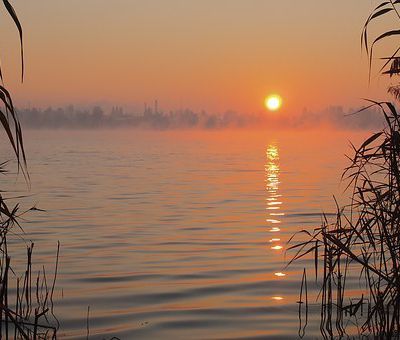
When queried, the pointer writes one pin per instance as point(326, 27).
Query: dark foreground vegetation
point(363, 242)
point(26, 297)
point(362, 245)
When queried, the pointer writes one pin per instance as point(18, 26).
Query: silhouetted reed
point(363, 244)
point(26, 300)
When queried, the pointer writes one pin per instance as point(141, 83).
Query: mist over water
point(179, 235)
point(155, 118)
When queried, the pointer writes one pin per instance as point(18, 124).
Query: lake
point(178, 235)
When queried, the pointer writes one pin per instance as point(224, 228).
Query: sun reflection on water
point(275, 230)
point(280, 274)
point(277, 298)
point(274, 204)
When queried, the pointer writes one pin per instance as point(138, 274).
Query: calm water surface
point(178, 235)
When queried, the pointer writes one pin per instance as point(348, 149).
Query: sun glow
point(273, 102)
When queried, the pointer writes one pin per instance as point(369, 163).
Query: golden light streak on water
point(273, 221)
point(274, 202)
point(277, 298)
point(280, 274)
point(274, 240)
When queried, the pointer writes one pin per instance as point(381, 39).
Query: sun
point(273, 102)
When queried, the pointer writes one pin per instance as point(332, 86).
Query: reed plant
point(26, 299)
point(361, 247)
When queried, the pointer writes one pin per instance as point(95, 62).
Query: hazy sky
point(202, 54)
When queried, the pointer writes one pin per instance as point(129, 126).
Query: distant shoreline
point(70, 117)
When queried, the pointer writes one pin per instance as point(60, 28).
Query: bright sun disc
point(273, 102)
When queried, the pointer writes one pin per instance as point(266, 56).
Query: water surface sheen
point(178, 235)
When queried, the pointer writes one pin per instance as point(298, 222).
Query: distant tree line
point(71, 117)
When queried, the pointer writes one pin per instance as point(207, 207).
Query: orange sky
point(208, 54)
